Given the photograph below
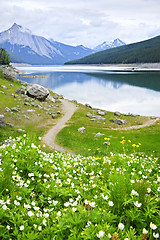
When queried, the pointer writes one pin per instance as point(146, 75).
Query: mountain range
point(25, 47)
point(147, 51)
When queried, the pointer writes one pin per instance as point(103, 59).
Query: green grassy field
point(145, 139)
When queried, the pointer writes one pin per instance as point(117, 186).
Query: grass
point(58, 196)
point(73, 140)
point(39, 121)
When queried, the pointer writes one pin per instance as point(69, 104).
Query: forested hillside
point(142, 52)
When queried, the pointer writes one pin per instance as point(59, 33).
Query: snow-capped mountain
point(112, 44)
point(23, 46)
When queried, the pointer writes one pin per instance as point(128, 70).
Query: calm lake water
point(134, 92)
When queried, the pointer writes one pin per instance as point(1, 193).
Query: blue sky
point(87, 22)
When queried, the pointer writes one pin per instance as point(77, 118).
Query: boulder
point(51, 99)
point(2, 121)
point(89, 115)
point(38, 92)
point(20, 91)
point(118, 121)
point(54, 115)
point(82, 130)
point(87, 105)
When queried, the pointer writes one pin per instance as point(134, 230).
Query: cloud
point(87, 22)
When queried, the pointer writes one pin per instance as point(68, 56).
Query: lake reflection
point(138, 93)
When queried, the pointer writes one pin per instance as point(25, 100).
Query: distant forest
point(142, 52)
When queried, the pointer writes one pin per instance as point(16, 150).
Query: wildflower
point(8, 227)
point(89, 149)
point(156, 235)
point(21, 228)
point(44, 222)
point(153, 226)
point(123, 141)
point(110, 203)
point(40, 228)
point(59, 213)
point(100, 234)
point(55, 203)
point(137, 204)
point(74, 209)
point(158, 189)
point(109, 235)
point(16, 203)
point(148, 190)
point(30, 213)
point(133, 192)
point(92, 204)
point(46, 215)
point(4, 207)
point(121, 226)
point(145, 231)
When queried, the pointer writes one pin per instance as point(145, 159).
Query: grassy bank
point(34, 118)
point(58, 196)
point(121, 141)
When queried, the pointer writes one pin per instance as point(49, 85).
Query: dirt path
point(68, 108)
point(147, 124)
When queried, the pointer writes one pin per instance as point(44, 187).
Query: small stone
point(89, 115)
point(2, 121)
point(54, 116)
point(87, 105)
point(20, 91)
point(20, 130)
point(4, 87)
point(82, 130)
point(27, 104)
point(118, 121)
point(31, 110)
point(16, 96)
point(117, 113)
point(11, 85)
point(58, 112)
point(14, 109)
point(7, 109)
point(101, 113)
point(99, 134)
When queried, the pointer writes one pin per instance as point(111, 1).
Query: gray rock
point(82, 130)
point(101, 113)
point(31, 110)
point(118, 121)
point(99, 134)
point(117, 113)
point(51, 99)
point(16, 96)
point(55, 97)
point(14, 109)
point(11, 85)
point(87, 105)
point(89, 115)
point(26, 117)
point(4, 87)
point(92, 119)
point(7, 109)
point(2, 121)
point(34, 104)
point(27, 104)
point(20, 130)
point(58, 112)
point(20, 91)
point(99, 118)
point(38, 92)
point(54, 116)
point(2, 92)
point(27, 99)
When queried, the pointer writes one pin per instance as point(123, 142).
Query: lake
point(110, 89)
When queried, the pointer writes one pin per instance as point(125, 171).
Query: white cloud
point(87, 22)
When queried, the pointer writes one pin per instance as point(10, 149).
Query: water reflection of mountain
point(116, 80)
point(54, 80)
point(145, 80)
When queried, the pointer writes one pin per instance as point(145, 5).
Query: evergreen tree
point(4, 57)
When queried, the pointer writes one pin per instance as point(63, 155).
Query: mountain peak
point(16, 27)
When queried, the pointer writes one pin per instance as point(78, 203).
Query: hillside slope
point(142, 52)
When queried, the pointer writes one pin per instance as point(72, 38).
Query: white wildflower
point(121, 226)
point(100, 234)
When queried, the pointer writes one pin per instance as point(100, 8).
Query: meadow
point(59, 196)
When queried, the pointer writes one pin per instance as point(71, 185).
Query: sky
point(86, 22)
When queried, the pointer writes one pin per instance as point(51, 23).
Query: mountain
point(25, 47)
point(107, 45)
point(147, 51)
